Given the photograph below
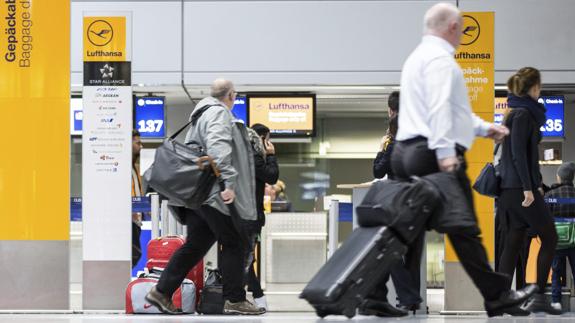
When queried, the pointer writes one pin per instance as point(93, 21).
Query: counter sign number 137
point(150, 125)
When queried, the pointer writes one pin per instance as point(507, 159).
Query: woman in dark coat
point(521, 201)
point(267, 172)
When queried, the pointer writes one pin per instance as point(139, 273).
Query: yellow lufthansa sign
point(476, 56)
point(283, 113)
point(105, 39)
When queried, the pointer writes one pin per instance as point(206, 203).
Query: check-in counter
point(293, 249)
point(294, 246)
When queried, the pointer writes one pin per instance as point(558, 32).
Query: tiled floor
point(268, 318)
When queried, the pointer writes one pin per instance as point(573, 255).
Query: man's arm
point(267, 170)
point(480, 126)
point(486, 129)
point(218, 138)
point(438, 79)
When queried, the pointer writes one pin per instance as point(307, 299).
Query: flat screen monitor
point(240, 109)
point(150, 116)
point(287, 115)
point(76, 116)
point(555, 105)
point(554, 126)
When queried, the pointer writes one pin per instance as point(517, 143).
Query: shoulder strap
point(194, 119)
point(496, 149)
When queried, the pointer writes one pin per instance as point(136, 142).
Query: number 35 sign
point(555, 115)
point(149, 117)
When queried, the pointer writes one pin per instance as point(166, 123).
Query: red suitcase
point(161, 249)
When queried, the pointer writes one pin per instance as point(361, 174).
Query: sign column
point(476, 57)
point(35, 162)
point(106, 160)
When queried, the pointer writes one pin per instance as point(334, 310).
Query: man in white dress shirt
point(436, 127)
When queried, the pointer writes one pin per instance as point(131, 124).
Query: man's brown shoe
point(162, 302)
point(242, 308)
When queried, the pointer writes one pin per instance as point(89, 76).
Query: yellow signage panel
point(476, 57)
point(105, 39)
point(35, 107)
point(291, 115)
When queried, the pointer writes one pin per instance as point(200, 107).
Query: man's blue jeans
point(559, 275)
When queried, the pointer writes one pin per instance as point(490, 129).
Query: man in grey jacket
point(226, 141)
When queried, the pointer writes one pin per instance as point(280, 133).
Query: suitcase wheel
point(321, 313)
point(349, 312)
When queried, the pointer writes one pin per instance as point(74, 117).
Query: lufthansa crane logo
point(100, 33)
point(471, 30)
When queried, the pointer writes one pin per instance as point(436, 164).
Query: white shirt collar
point(440, 42)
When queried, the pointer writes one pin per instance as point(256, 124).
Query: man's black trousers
point(205, 227)
point(414, 158)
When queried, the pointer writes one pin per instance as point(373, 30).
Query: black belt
point(459, 149)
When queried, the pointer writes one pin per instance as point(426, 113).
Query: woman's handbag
point(488, 182)
point(182, 173)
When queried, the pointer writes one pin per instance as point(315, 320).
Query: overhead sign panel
point(286, 116)
point(149, 117)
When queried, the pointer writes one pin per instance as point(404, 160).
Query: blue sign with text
point(554, 126)
point(240, 109)
point(555, 116)
point(149, 117)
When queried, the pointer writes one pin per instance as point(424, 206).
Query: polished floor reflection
point(268, 318)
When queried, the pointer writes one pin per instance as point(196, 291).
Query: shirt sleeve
point(439, 77)
point(480, 126)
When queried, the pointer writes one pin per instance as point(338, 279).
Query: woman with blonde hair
point(521, 201)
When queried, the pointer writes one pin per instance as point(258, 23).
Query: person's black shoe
point(516, 311)
point(381, 309)
point(162, 302)
point(411, 308)
point(509, 299)
point(539, 304)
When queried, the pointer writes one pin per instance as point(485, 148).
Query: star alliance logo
point(107, 72)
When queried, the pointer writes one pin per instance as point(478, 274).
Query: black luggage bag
point(212, 298)
point(403, 206)
point(353, 271)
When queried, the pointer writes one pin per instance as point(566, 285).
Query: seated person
point(563, 189)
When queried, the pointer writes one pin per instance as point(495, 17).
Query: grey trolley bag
point(392, 215)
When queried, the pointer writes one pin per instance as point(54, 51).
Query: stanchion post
point(155, 214)
point(165, 219)
point(333, 223)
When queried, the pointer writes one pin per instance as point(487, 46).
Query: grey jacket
point(226, 141)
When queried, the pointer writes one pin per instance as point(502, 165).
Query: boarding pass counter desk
point(358, 193)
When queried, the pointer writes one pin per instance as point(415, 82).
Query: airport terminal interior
point(77, 76)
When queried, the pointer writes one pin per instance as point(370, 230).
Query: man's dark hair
point(393, 101)
point(260, 129)
point(135, 133)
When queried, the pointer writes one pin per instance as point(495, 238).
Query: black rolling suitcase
point(353, 271)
